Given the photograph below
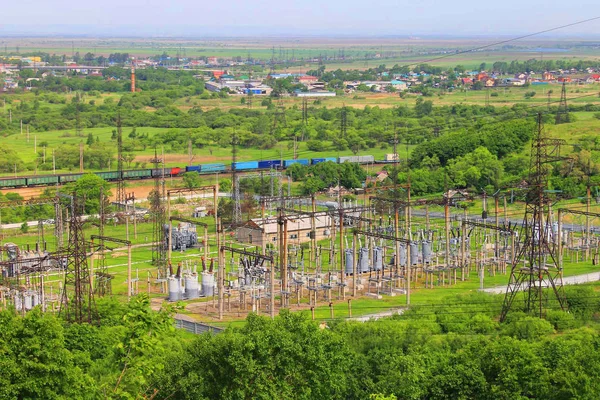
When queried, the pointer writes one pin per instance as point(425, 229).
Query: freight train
point(60, 179)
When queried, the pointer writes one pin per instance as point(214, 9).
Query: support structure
point(103, 280)
point(77, 300)
point(158, 215)
point(535, 270)
point(279, 116)
point(304, 111)
point(258, 258)
point(120, 183)
point(343, 122)
point(236, 217)
point(562, 114)
point(102, 248)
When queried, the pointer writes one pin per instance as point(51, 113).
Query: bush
point(561, 320)
point(315, 145)
point(526, 328)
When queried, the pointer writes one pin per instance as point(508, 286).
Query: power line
point(487, 46)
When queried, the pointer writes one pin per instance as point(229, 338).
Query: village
point(258, 78)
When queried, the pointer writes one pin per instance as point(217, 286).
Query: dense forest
point(452, 349)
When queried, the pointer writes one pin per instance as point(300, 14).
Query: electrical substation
point(303, 252)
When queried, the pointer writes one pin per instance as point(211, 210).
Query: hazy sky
point(294, 17)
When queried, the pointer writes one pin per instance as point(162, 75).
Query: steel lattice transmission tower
point(159, 218)
point(343, 122)
point(77, 300)
point(304, 111)
point(562, 114)
point(78, 128)
point(103, 282)
point(535, 271)
point(249, 96)
point(236, 217)
point(279, 115)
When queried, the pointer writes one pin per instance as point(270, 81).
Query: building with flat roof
point(255, 232)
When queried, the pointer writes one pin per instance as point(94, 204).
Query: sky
point(296, 17)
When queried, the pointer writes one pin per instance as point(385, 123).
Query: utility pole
point(190, 152)
point(120, 182)
point(81, 157)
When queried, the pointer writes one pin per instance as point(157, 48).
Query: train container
point(356, 159)
point(192, 168)
point(391, 157)
point(69, 178)
point(244, 165)
point(109, 176)
point(350, 159)
point(42, 180)
point(176, 171)
point(287, 163)
point(267, 164)
point(159, 172)
point(137, 174)
point(212, 167)
point(13, 182)
point(325, 159)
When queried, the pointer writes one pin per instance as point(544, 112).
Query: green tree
point(34, 361)
point(192, 180)
point(315, 145)
point(285, 358)
point(89, 187)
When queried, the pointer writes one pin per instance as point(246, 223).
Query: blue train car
point(244, 165)
point(320, 160)
point(212, 167)
point(287, 163)
point(269, 164)
point(192, 168)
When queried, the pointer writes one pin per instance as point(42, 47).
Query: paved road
point(376, 316)
point(569, 280)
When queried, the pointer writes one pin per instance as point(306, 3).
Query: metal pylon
point(562, 114)
point(535, 271)
point(236, 199)
point(77, 301)
point(103, 282)
point(159, 219)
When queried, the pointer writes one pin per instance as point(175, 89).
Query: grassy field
point(585, 125)
point(402, 50)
